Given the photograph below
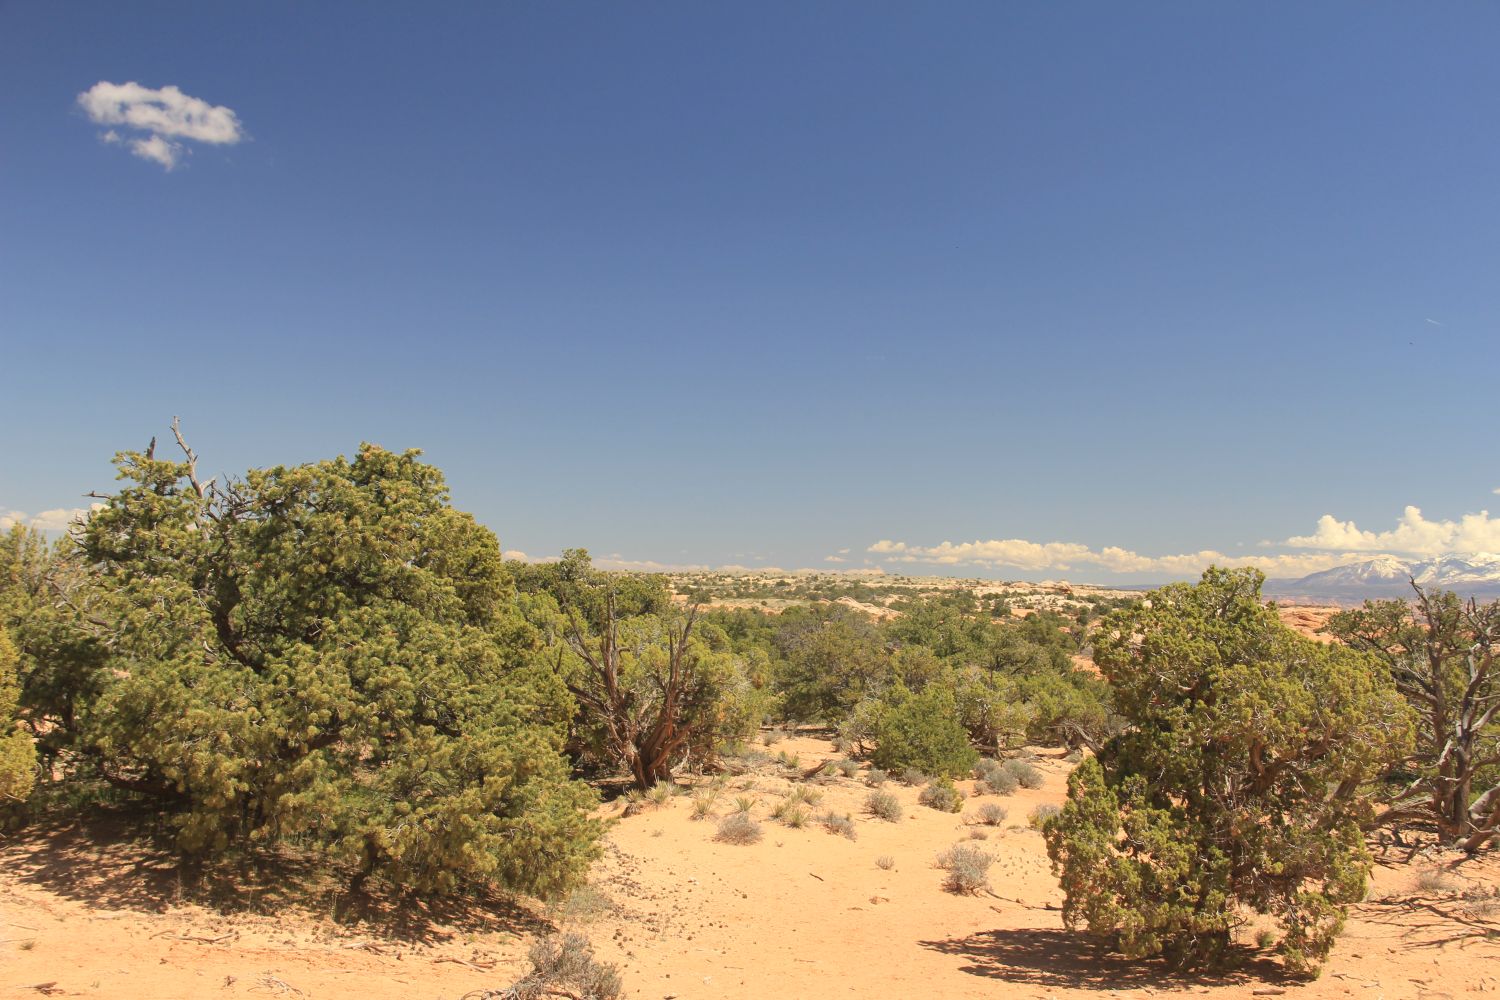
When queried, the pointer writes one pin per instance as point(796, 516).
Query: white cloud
point(1413, 534)
point(1018, 553)
point(53, 521)
point(834, 559)
point(167, 116)
point(514, 555)
point(158, 149)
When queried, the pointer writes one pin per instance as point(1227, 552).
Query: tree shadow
point(1059, 958)
point(119, 860)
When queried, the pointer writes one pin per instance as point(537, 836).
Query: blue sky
point(705, 284)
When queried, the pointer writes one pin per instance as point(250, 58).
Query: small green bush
point(943, 796)
point(883, 805)
point(848, 768)
point(913, 777)
point(876, 777)
point(923, 731)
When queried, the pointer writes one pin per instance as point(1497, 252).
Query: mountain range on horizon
point(1474, 575)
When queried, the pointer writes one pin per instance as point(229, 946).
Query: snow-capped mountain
point(1476, 575)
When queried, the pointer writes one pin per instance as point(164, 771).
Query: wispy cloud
point(1019, 553)
point(168, 118)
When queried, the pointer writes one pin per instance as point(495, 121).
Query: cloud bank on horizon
point(168, 118)
point(51, 521)
point(1333, 543)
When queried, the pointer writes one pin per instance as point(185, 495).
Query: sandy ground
point(802, 913)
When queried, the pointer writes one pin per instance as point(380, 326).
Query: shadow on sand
point(1059, 958)
point(116, 860)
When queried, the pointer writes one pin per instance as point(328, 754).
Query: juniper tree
point(1440, 653)
point(1241, 783)
point(17, 756)
point(653, 688)
point(330, 652)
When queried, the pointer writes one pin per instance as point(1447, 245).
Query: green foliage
point(829, 665)
point(1240, 783)
point(1440, 654)
point(17, 755)
point(654, 687)
point(330, 652)
point(922, 731)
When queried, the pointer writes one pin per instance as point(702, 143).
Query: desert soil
point(802, 913)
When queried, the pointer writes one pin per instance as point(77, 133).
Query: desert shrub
point(738, 828)
point(992, 814)
point(883, 805)
point(1025, 774)
point(565, 965)
point(885, 862)
point(792, 761)
point(331, 654)
point(794, 816)
point(922, 731)
point(848, 768)
point(743, 803)
point(913, 778)
point(999, 781)
point(703, 803)
point(660, 794)
point(804, 793)
point(1435, 880)
point(17, 755)
point(1239, 784)
point(1038, 817)
point(875, 777)
point(977, 834)
point(839, 823)
point(943, 796)
point(968, 868)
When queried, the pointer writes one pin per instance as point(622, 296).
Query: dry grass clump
point(995, 778)
point(876, 777)
point(1041, 814)
point(1026, 774)
point(942, 795)
point(883, 805)
point(804, 793)
point(561, 965)
point(738, 828)
point(911, 776)
point(703, 803)
point(848, 767)
point(991, 814)
point(839, 823)
point(968, 868)
point(885, 862)
point(1435, 880)
point(791, 812)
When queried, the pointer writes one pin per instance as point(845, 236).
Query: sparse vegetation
point(885, 862)
point(1038, 817)
point(839, 823)
point(562, 965)
point(967, 867)
point(875, 777)
point(1026, 775)
point(942, 795)
point(992, 814)
point(883, 805)
point(738, 828)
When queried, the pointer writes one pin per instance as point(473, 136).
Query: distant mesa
point(1476, 575)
